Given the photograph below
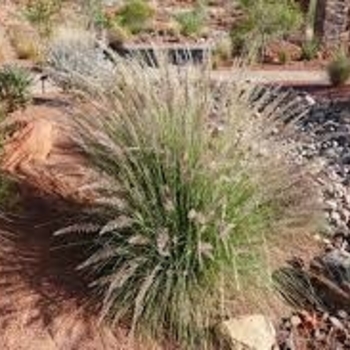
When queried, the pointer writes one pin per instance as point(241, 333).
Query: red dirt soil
point(45, 303)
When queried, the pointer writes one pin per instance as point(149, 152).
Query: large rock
point(253, 332)
point(42, 153)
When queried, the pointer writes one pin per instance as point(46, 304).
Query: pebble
point(295, 321)
point(327, 142)
point(336, 323)
point(327, 131)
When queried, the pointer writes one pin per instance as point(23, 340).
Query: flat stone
point(248, 332)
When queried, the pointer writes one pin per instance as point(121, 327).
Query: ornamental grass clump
point(194, 184)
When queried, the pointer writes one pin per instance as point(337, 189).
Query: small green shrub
point(9, 194)
point(222, 52)
point(266, 20)
point(100, 20)
point(93, 12)
point(339, 69)
point(309, 50)
point(193, 184)
point(135, 15)
point(240, 37)
point(15, 83)
point(283, 57)
point(41, 13)
point(191, 22)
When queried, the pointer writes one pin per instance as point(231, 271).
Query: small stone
point(255, 331)
point(325, 316)
point(317, 238)
point(311, 101)
point(346, 158)
point(336, 323)
point(335, 217)
point(320, 335)
point(295, 321)
point(331, 205)
point(347, 199)
point(342, 314)
point(345, 215)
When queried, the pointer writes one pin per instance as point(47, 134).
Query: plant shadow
point(45, 303)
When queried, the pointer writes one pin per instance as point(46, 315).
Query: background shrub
point(135, 15)
point(191, 188)
point(73, 49)
point(9, 194)
point(283, 57)
point(222, 51)
point(240, 36)
point(309, 49)
point(266, 20)
point(191, 22)
point(41, 13)
point(339, 69)
point(26, 43)
point(15, 83)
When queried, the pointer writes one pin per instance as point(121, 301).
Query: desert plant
point(15, 85)
point(73, 49)
point(135, 15)
point(222, 51)
point(26, 43)
point(9, 194)
point(283, 57)
point(96, 16)
point(191, 21)
point(309, 49)
point(191, 188)
point(41, 13)
point(266, 20)
point(339, 69)
point(116, 34)
point(240, 36)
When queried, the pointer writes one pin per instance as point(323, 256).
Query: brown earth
point(45, 303)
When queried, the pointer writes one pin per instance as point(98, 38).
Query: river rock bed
point(327, 127)
point(320, 290)
point(315, 331)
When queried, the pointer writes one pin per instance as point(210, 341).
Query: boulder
point(254, 332)
point(42, 153)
